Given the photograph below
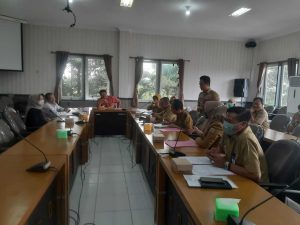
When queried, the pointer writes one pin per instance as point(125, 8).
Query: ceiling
point(208, 19)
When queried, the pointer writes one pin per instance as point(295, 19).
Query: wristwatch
point(227, 165)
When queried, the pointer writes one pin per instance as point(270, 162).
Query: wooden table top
point(20, 191)
point(201, 202)
point(45, 139)
point(273, 135)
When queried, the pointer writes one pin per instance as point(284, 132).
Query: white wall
point(39, 63)
point(222, 60)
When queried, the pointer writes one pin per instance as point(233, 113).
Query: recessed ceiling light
point(240, 12)
point(126, 3)
point(70, 1)
point(187, 10)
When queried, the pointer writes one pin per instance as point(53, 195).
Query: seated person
point(51, 109)
point(259, 115)
point(165, 116)
point(240, 151)
point(154, 106)
point(183, 119)
point(34, 114)
point(231, 102)
point(106, 101)
point(295, 121)
point(213, 130)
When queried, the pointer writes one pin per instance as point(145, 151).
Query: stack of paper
point(198, 160)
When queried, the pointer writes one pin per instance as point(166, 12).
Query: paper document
point(189, 143)
point(163, 151)
point(169, 129)
point(210, 170)
point(159, 125)
point(198, 160)
point(193, 180)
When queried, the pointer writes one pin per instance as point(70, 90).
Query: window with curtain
point(83, 77)
point(158, 77)
point(276, 84)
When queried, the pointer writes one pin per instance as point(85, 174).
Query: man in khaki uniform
point(259, 115)
point(183, 120)
point(207, 94)
point(213, 130)
point(166, 114)
point(240, 152)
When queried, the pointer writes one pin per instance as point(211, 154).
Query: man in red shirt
point(106, 101)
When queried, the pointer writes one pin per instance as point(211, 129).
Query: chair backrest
point(14, 120)
point(194, 114)
point(296, 131)
point(282, 110)
point(269, 108)
point(258, 131)
point(201, 122)
point(6, 135)
point(283, 159)
point(280, 123)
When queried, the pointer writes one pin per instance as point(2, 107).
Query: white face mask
point(41, 102)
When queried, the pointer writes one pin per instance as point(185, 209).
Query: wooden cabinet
point(110, 123)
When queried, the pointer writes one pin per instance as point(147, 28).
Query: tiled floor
point(114, 192)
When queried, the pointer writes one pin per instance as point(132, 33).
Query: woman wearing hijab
point(213, 130)
point(34, 116)
point(154, 106)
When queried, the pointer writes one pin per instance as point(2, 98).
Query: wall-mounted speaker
point(241, 87)
point(250, 44)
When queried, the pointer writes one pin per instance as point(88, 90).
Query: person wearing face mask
point(240, 151)
point(259, 115)
point(213, 130)
point(34, 115)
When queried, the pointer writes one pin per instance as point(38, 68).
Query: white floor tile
point(129, 167)
point(111, 177)
point(140, 201)
point(143, 217)
point(86, 217)
point(111, 169)
point(112, 202)
point(134, 177)
point(118, 187)
point(113, 218)
point(135, 188)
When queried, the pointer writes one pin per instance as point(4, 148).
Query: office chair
point(269, 109)
point(200, 123)
point(194, 114)
point(282, 110)
point(15, 122)
point(280, 123)
point(258, 131)
point(7, 137)
point(283, 159)
point(296, 131)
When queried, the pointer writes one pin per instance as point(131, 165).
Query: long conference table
point(43, 198)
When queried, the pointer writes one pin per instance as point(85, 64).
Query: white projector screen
point(11, 48)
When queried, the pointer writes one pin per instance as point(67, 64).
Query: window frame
point(84, 97)
point(279, 80)
point(158, 74)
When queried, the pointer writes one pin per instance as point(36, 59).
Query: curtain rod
point(172, 60)
point(72, 53)
point(281, 61)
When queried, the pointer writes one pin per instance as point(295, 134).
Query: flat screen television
point(11, 46)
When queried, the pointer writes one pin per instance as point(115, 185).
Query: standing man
point(207, 94)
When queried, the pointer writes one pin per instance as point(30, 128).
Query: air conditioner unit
point(293, 95)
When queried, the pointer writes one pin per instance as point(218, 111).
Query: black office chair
point(15, 122)
point(269, 109)
point(200, 123)
point(283, 159)
point(7, 137)
point(258, 131)
point(280, 123)
point(296, 131)
point(195, 115)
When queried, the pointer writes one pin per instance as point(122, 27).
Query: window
point(276, 84)
point(83, 77)
point(158, 77)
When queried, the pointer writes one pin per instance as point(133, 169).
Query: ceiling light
point(70, 1)
point(239, 12)
point(187, 10)
point(126, 3)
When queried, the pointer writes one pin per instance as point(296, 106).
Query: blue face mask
point(229, 128)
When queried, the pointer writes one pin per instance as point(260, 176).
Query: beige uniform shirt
point(184, 120)
point(166, 115)
point(261, 118)
point(212, 135)
point(210, 95)
point(244, 150)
